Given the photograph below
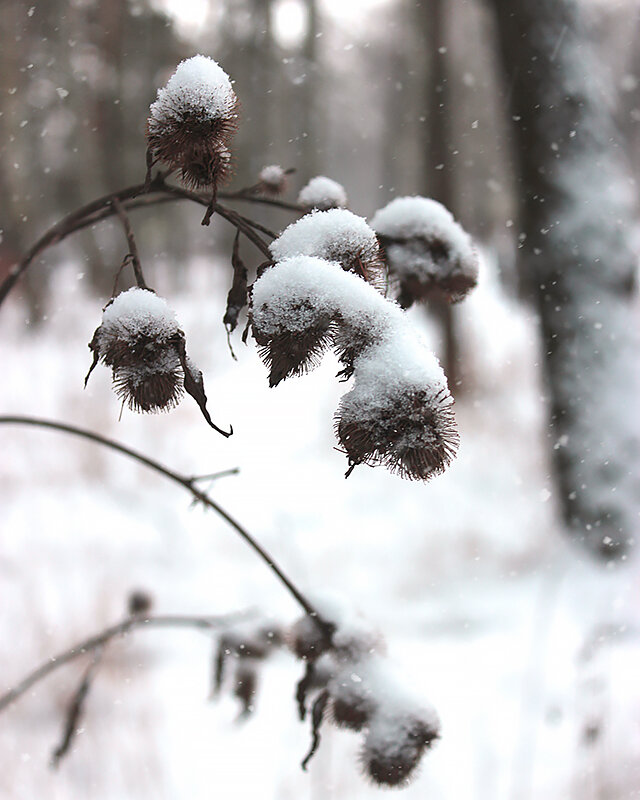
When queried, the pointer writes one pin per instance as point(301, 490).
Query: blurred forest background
point(434, 98)
point(523, 117)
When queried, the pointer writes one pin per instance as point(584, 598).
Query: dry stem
point(184, 481)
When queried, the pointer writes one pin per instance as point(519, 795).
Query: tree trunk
point(579, 258)
point(309, 131)
point(438, 181)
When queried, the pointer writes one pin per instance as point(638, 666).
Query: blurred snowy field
point(529, 652)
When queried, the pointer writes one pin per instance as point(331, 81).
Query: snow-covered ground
point(529, 652)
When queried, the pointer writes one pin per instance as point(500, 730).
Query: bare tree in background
point(579, 257)
point(437, 171)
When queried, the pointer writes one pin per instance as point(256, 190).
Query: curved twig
point(104, 207)
point(74, 221)
point(97, 641)
point(184, 481)
point(131, 241)
point(213, 476)
point(268, 201)
point(76, 708)
point(246, 226)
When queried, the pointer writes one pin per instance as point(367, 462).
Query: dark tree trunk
point(310, 135)
point(579, 258)
point(438, 180)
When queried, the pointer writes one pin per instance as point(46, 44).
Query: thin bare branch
point(103, 207)
point(184, 481)
point(213, 476)
point(241, 223)
point(100, 639)
point(76, 708)
point(74, 221)
point(131, 240)
point(268, 201)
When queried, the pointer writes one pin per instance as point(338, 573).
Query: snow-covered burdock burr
point(191, 123)
point(426, 250)
point(335, 235)
point(399, 412)
point(395, 742)
point(293, 316)
point(322, 194)
point(140, 339)
point(272, 180)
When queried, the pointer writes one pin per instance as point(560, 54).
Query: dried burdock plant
point(395, 742)
point(321, 194)
point(399, 412)
point(334, 235)
point(246, 645)
point(355, 687)
point(322, 286)
point(352, 703)
point(140, 340)
point(292, 327)
point(139, 602)
point(426, 250)
point(272, 180)
point(191, 123)
point(403, 421)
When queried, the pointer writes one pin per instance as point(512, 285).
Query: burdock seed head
point(291, 320)
point(139, 339)
point(399, 413)
point(272, 180)
point(426, 250)
point(395, 742)
point(307, 638)
point(290, 352)
point(139, 602)
point(352, 703)
point(322, 194)
point(411, 432)
point(335, 235)
point(192, 121)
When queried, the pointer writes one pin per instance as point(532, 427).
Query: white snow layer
point(332, 234)
point(199, 85)
point(411, 217)
point(490, 625)
point(272, 176)
point(399, 362)
point(394, 359)
point(304, 286)
point(393, 695)
point(354, 635)
point(140, 312)
point(323, 193)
